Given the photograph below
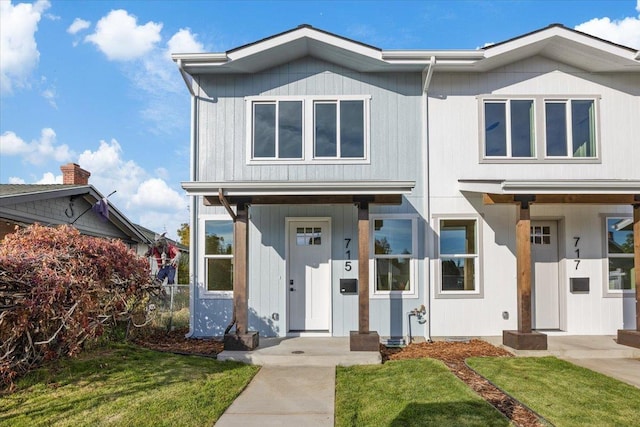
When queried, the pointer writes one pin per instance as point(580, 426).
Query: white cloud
point(20, 55)
point(38, 151)
point(120, 38)
point(624, 31)
point(50, 96)
point(16, 180)
point(78, 25)
point(156, 194)
point(50, 178)
point(146, 200)
point(184, 42)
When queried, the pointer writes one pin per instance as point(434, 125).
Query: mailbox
point(348, 286)
point(579, 285)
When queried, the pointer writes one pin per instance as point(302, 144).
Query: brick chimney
point(72, 173)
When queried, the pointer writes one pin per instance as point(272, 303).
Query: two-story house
point(343, 190)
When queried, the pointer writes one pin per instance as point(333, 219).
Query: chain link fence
point(171, 311)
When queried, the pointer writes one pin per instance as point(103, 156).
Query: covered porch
point(238, 197)
point(522, 194)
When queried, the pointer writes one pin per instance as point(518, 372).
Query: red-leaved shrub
point(59, 288)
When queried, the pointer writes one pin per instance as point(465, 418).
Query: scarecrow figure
point(167, 256)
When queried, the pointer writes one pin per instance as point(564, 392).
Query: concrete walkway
point(285, 396)
point(296, 385)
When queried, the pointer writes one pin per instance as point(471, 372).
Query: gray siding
point(395, 122)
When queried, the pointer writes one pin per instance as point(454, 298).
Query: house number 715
point(347, 264)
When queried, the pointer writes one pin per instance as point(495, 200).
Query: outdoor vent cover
point(579, 285)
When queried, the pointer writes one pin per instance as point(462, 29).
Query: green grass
point(419, 392)
point(563, 393)
point(126, 386)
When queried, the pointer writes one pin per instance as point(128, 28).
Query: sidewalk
point(285, 396)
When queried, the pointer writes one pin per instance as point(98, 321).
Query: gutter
point(187, 79)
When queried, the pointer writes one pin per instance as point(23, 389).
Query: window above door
point(307, 129)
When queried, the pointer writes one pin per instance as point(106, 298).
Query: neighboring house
point(67, 203)
point(337, 187)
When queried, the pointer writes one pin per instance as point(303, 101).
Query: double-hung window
point(308, 129)
point(459, 256)
point(394, 251)
point(218, 256)
point(539, 128)
point(619, 251)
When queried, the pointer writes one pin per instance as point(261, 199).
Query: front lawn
point(417, 392)
point(126, 386)
point(563, 393)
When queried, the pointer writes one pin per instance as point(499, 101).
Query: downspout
point(193, 211)
point(427, 75)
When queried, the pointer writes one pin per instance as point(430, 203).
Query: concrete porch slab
point(576, 347)
point(303, 351)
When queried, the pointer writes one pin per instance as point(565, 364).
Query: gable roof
point(11, 194)
point(556, 42)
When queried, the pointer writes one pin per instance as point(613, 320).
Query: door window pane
point(351, 129)
point(264, 130)
point(290, 129)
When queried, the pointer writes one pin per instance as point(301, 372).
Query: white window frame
point(539, 127)
point(608, 292)
point(308, 130)
point(478, 292)
point(413, 276)
point(205, 293)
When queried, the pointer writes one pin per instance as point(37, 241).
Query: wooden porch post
point(363, 268)
point(240, 296)
point(523, 266)
point(631, 337)
point(524, 338)
point(363, 339)
point(242, 339)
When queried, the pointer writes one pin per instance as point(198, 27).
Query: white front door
point(545, 285)
point(309, 275)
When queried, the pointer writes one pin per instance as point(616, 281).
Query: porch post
point(363, 339)
point(524, 338)
point(631, 337)
point(242, 339)
point(363, 268)
point(523, 267)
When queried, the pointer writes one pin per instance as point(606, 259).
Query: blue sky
point(91, 82)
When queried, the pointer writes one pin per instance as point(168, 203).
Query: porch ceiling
point(298, 192)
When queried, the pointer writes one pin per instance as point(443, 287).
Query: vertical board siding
point(395, 135)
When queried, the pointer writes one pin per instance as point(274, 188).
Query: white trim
point(298, 188)
point(606, 292)
point(308, 137)
point(478, 292)
point(203, 292)
point(413, 260)
point(559, 186)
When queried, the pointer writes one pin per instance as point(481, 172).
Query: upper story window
point(308, 129)
point(539, 129)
